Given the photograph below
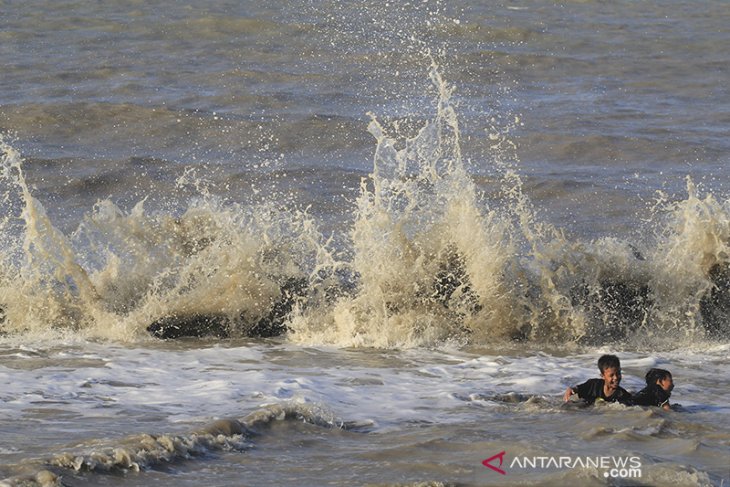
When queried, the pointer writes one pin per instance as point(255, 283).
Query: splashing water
point(432, 262)
point(434, 267)
point(118, 272)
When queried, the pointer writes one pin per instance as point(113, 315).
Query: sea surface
point(313, 243)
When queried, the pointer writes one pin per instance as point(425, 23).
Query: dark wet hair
point(608, 362)
point(656, 374)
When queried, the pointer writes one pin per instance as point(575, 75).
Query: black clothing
point(592, 389)
point(651, 395)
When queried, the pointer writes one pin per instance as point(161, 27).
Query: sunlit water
point(381, 240)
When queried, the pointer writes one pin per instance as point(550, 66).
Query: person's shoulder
point(643, 392)
point(623, 395)
point(590, 389)
point(643, 397)
point(651, 395)
point(591, 385)
point(655, 391)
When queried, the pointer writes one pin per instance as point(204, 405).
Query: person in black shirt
point(659, 385)
point(606, 388)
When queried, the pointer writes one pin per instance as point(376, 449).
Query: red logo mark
point(496, 469)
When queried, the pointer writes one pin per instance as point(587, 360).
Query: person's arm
point(568, 394)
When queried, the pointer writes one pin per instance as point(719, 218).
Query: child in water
point(659, 385)
point(606, 388)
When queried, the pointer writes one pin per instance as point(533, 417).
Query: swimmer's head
point(610, 367)
point(608, 361)
point(661, 377)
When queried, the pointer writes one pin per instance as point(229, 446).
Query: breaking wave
point(427, 260)
point(144, 451)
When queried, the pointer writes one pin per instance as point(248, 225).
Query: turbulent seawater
point(362, 243)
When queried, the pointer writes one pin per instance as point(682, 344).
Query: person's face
point(666, 383)
point(612, 377)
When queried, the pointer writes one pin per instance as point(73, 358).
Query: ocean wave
point(425, 261)
point(143, 451)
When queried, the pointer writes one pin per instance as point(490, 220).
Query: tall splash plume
point(691, 268)
point(671, 289)
point(431, 266)
point(40, 279)
point(215, 269)
point(668, 290)
point(573, 291)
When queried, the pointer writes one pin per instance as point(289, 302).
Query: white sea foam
point(189, 385)
point(125, 391)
